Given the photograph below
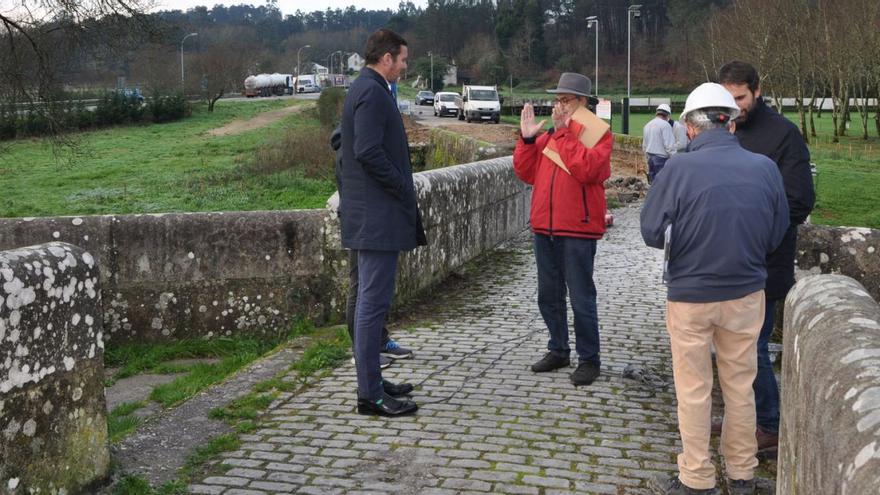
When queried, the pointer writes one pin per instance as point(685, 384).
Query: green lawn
point(153, 168)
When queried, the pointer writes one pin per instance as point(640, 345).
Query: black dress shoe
point(396, 390)
point(386, 406)
point(550, 362)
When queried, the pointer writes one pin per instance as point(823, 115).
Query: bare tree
point(223, 64)
point(39, 36)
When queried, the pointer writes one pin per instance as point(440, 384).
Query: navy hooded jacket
point(772, 135)
point(728, 210)
point(377, 198)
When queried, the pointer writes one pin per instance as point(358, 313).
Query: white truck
point(479, 103)
point(268, 85)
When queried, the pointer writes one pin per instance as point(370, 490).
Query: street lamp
point(593, 22)
point(296, 80)
point(432, 70)
point(632, 11)
point(181, 58)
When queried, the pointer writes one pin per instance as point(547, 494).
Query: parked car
point(444, 104)
point(425, 98)
point(133, 93)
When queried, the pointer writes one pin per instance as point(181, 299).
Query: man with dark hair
point(718, 210)
point(380, 215)
point(391, 350)
point(762, 130)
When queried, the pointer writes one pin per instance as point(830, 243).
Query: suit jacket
point(377, 196)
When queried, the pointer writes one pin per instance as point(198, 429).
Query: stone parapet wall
point(850, 251)
point(830, 394)
point(466, 211)
point(52, 410)
point(204, 275)
point(194, 275)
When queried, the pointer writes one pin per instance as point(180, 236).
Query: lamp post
point(182, 87)
point(593, 22)
point(296, 81)
point(632, 11)
point(430, 54)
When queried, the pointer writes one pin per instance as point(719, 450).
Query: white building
point(355, 62)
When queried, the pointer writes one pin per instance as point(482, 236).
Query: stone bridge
point(486, 423)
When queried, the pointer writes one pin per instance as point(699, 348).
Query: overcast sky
point(291, 6)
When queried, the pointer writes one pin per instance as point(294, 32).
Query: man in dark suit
point(381, 215)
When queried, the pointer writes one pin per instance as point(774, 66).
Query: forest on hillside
point(803, 48)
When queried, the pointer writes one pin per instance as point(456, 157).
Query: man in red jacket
point(567, 217)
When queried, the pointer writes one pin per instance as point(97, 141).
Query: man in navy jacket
point(762, 130)
point(381, 217)
point(718, 210)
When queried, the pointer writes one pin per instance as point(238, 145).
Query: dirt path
point(264, 119)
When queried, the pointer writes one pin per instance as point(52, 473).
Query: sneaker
point(741, 487)
point(550, 362)
point(384, 362)
point(393, 350)
point(585, 374)
point(661, 485)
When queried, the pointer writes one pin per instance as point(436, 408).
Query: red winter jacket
point(562, 204)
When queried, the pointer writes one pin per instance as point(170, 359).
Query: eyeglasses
point(565, 99)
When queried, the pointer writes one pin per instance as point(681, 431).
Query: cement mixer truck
point(268, 85)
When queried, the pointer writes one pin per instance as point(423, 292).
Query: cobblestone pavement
point(487, 424)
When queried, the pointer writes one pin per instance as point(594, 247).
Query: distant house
point(355, 62)
point(451, 76)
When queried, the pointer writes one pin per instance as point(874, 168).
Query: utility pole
point(593, 22)
point(632, 11)
point(182, 86)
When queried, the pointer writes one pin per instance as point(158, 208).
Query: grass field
point(157, 168)
point(178, 167)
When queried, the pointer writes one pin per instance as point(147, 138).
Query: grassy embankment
point(162, 168)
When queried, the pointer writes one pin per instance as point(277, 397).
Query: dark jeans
point(567, 263)
point(655, 165)
point(766, 389)
point(375, 292)
point(351, 302)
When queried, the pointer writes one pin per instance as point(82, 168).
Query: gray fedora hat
point(573, 83)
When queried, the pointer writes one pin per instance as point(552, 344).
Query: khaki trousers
point(733, 326)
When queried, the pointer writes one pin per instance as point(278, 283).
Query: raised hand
point(527, 125)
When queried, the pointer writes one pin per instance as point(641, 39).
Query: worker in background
point(658, 142)
point(679, 132)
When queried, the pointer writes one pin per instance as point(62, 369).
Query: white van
point(307, 83)
point(444, 104)
point(478, 103)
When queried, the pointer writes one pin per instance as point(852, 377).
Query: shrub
point(330, 107)
point(168, 108)
point(115, 108)
point(306, 149)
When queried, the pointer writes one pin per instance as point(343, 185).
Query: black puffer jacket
point(772, 135)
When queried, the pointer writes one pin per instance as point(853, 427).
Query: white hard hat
point(710, 95)
point(663, 107)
